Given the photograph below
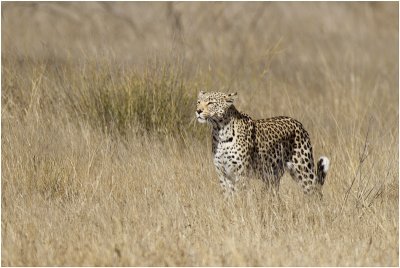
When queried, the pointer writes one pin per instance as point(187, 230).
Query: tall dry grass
point(103, 164)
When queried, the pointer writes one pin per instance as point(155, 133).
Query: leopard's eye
point(210, 102)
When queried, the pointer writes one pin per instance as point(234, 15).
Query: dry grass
point(102, 163)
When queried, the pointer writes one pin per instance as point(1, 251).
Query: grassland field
point(103, 163)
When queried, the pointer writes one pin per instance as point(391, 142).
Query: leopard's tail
point(322, 169)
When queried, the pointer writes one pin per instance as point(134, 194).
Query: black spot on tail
point(320, 172)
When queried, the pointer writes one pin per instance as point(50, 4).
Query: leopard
point(265, 148)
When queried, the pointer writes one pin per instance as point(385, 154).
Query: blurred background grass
point(272, 50)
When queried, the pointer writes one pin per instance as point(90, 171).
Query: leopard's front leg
point(227, 183)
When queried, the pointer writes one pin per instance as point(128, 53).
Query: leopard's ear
point(231, 97)
point(201, 93)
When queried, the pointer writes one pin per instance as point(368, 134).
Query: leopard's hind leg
point(300, 165)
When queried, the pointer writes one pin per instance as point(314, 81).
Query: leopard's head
point(212, 106)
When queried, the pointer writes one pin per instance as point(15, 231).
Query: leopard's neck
point(223, 130)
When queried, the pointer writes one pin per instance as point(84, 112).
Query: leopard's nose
point(199, 111)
